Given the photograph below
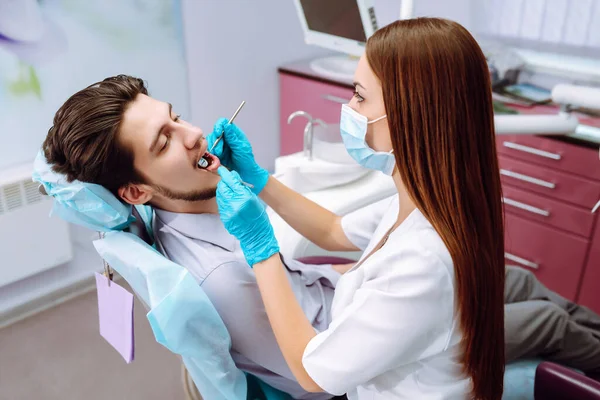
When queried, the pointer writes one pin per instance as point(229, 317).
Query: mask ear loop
point(377, 119)
point(395, 165)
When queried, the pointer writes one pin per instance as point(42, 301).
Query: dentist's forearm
point(317, 224)
point(292, 329)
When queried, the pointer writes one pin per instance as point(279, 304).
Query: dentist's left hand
point(245, 217)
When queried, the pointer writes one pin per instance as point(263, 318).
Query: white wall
point(88, 55)
point(85, 262)
point(234, 48)
point(457, 10)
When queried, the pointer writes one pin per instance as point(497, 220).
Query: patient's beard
point(195, 195)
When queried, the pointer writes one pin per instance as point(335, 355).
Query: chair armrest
point(553, 381)
point(318, 260)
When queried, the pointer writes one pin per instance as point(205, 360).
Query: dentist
point(420, 316)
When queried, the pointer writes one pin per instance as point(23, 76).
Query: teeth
point(202, 163)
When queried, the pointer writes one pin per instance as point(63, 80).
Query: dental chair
point(555, 382)
point(180, 314)
point(138, 228)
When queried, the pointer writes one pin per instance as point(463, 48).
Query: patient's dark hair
point(83, 140)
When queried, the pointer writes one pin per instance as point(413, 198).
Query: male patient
point(113, 134)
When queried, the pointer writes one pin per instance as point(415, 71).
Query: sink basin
point(303, 175)
point(328, 145)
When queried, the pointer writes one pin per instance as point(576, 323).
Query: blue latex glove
point(235, 152)
point(245, 217)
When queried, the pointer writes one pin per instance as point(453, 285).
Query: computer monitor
point(340, 25)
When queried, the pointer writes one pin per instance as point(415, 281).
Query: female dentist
point(420, 316)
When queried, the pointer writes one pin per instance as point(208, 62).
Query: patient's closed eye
point(166, 143)
point(176, 118)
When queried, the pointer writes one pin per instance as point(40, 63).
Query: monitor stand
point(338, 67)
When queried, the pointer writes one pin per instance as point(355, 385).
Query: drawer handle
point(526, 178)
point(334, 99)
point(532, 150)
point(526, 207)
point(596, 207)
point(521, 261)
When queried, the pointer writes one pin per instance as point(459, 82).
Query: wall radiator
point(30, 241)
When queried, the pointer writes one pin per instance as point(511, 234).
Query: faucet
point(308, 131)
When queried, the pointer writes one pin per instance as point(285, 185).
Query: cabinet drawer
point(548, 211)
point(556, 258)
point(549, 182)
point(551, 153)
point(320, 100)
point(589, 295)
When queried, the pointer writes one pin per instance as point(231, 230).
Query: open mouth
point(209, 162)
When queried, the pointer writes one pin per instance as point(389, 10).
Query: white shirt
point(394, 332)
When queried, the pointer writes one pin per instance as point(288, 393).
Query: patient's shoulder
point(199, 258)
point(229, 284)
point(231, 274)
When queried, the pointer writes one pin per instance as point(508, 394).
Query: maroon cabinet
point(549, 189)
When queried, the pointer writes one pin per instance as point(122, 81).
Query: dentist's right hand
point(245, 217)
point(235, 152)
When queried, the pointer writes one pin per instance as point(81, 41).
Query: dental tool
point(202, 163)
point(229, 122)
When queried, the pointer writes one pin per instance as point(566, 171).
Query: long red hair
point(437, 95)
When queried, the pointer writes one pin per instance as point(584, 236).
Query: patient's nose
point(193, 137)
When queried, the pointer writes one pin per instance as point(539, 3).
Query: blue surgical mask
point(353, 127)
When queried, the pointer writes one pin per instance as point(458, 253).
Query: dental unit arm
point(563, 123)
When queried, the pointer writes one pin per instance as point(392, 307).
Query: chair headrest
point(82, 203)
point(142, 226)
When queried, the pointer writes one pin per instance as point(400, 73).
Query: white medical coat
point(394, 332)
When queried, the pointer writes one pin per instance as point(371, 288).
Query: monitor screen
point(334, 17)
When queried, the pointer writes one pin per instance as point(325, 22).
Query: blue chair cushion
point(519, 379)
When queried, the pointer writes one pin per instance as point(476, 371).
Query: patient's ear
point(136, 193)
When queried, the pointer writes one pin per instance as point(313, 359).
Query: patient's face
point(166, 151)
